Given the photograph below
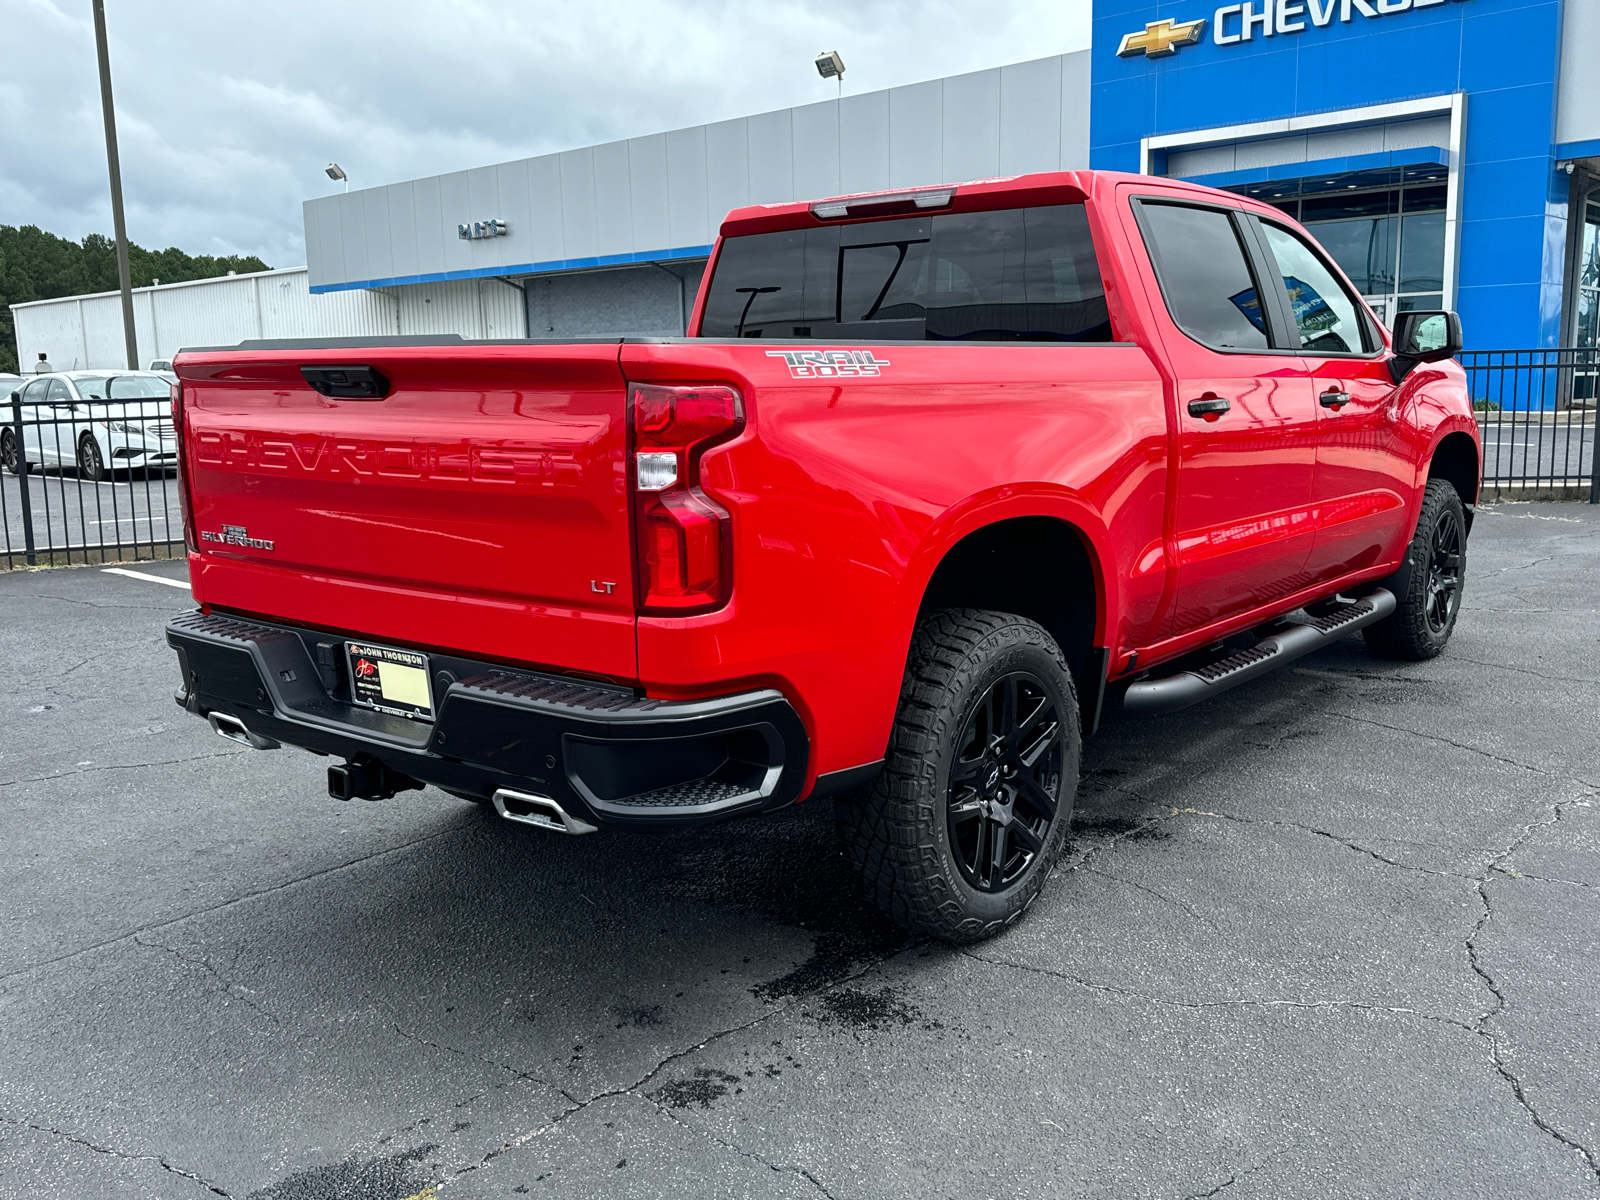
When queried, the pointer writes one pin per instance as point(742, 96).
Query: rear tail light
point(684, 550)
point(184, 504)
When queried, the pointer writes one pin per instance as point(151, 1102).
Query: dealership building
point(1446, 152)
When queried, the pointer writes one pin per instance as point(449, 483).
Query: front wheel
point(1425, 616)
point(90, 464)
point(957, 835)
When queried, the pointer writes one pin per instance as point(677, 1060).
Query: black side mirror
point(1421, 337)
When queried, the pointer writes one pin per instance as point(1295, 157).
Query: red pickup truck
point(938, 475)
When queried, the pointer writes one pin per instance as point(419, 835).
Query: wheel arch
point(1455, 460)
point(1041, 566)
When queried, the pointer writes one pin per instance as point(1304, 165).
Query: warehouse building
point(1447, 152)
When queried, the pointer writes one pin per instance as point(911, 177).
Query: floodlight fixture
point(335, 172)
point(830, 64)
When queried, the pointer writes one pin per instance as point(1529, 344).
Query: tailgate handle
point(347, 382)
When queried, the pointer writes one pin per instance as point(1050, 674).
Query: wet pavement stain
point(354, 1179)
point(704, 1087)
point(863, 1010)
point(790, 869)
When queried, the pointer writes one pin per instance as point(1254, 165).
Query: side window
point(59, 393)
point(1328, 319)
point(1204, 276)
point(35, 391)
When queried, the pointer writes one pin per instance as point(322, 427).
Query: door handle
point(1208, 406)
point(1333, 400)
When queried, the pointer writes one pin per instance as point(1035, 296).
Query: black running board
point(1152, 696)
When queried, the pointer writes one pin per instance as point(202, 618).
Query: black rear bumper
point(603, 753)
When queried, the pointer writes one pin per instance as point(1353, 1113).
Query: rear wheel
point(1425, 616)
point(8, 452)
point(957, 835)
point(90, 464)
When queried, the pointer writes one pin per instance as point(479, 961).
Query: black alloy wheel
point(8, 452)
point(1005, 782)
point(1444, 572)
point(90, 464)
point(957, 835)
point(1428, 590)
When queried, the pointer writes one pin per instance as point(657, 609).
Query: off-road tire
point(90, 464)
point(1425, 615)
point(896, 831)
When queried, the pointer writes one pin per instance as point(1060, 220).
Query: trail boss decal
point(829, 364)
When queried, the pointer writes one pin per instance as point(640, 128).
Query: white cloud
point(227, 112)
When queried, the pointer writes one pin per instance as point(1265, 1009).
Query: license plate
point(390, 680)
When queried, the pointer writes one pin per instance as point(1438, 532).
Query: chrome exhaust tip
point(228, 726)
point(539, 811)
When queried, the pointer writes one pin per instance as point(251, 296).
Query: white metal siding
point(599, 205)
point(82, 332)
point(1578, 93)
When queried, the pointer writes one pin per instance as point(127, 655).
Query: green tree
point(35, 265)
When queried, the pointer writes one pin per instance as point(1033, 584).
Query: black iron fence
point(88, 481)
point(1536, 410)
point(94, 481)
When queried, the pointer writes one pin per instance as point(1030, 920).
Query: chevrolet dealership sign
point(1234, 23)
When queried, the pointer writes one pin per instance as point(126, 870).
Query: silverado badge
point(235, 535)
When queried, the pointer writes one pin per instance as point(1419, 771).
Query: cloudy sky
point(227, 112)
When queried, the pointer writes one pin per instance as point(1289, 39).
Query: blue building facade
point(1445, 151)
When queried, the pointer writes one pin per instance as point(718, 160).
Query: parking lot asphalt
point(1334, 934)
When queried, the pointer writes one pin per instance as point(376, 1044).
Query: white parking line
point(177, 583)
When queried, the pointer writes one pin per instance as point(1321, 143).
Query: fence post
point(22, 476)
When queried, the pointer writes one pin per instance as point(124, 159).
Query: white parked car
point(96, 421)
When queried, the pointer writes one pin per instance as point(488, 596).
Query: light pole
point(830, 65)
point(119, 226)
point(336, 173)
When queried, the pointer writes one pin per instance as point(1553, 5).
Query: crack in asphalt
point(1233, 1179)
point(742, 1152)
point(1543, 675)
point(121, 767)
point(1173, 901)
point(517, 1072)
point(132, 934)
point(1433, 737)
point(632, 1089)
point(1247, 1002)
point(121, 1154)
point(233, 989)
point(1496, 1049)
point(1223, 816)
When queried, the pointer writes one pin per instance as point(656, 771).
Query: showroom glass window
point(1018, 274)
point(1389, 241)
point(1586, 325)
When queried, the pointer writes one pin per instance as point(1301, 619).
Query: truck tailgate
point(480, 506)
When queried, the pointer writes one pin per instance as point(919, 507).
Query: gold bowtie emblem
point(1161, 38)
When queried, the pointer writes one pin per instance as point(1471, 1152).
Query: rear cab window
point(1019, 274)
point(1205, 275)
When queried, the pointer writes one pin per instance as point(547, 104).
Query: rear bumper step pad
point(602, 753)
point(1151, 696)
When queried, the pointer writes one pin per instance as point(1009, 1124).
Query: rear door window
point(1021, 274)
point(1204, 275)
point(1325, 313)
